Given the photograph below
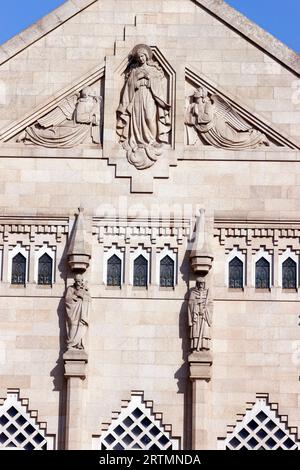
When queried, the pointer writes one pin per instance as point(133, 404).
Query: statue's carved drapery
point(75, 120)
point(199, 317)
point(78, 302)
point(143, 115)
point(219, 125)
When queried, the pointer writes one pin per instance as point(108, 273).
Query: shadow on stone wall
point(182, 374)
point(59, 382)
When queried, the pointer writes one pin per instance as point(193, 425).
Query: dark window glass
point(114, 271)
point(45, 270)
point(166, 272)
point(236, 273)
point(140, 272)
point(289, 276)
point(262, 274)
point(18, 272)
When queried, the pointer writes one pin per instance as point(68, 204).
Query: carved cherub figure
point(73, 120)
point(219, 125)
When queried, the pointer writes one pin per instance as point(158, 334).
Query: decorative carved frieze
point(256, 233)
point(131, 231)
point(31, 227)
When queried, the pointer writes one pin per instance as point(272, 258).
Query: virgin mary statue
point(143, 116)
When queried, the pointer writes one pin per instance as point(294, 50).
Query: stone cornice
point(218, 8)
point(252, 32)
point(42, 27)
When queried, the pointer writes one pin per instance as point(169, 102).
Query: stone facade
point(137, 352)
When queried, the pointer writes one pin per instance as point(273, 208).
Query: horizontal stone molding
point(203, 153)
point(34, 226)
point(249, 230)
point(129, 228)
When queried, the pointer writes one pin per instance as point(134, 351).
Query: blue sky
point(280, 18)
point(17, 15)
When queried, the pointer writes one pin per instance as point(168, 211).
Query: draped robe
point(77, 308)
point(143, 120)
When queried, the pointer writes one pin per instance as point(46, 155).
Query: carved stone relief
point(78, 302)
point(213, 121)
point(199, 317)
point(75, 120)
point(143, 115)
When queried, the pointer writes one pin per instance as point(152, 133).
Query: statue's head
point(85, 92)
point(200, 284)
point(200, 94)
point(141, 53)
point(78, 280)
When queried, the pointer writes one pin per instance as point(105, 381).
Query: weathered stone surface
point(139, 337)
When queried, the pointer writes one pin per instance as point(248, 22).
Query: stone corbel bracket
point(79, 252)
point(201, 257)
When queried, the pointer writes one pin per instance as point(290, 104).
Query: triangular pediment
point(242, 115)
point(184, 58)
point(59, 109)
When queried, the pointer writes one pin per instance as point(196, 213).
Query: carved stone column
point(200, 310)
point(76, 358)
point(75, 372)
point(200, 375)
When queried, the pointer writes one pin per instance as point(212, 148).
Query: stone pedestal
point(200, 375)
point(75, 362)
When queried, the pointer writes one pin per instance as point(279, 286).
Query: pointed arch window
point(289, 274)
point(236, 277)
point(262, 274)
point(166, 272)
point(45, 270)
point(114, 267)
point(18, 269)
point(140, 272)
